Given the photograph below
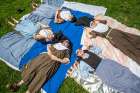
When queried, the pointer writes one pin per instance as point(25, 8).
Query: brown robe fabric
point(41, 69)
point(128, 43)
point(92, 60)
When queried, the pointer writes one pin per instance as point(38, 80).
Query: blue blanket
point(35, 50)
point(74, 34)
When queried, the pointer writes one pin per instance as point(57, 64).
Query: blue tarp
point(74, 34)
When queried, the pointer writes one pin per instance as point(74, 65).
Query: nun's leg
point(14, 20)
point(37, 82)
point(10, 23)
point(55, 3)
point(118, 77)
point(34, 6)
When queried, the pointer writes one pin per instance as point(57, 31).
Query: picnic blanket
point(17, 50)
point(13, 47)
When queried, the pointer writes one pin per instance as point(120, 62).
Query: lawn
point(126, 11)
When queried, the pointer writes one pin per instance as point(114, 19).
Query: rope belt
point(107, 35)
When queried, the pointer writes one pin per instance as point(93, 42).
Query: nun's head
point(80, 53)
point(65, 42)
point(64, 15)
point(46, 33)
point(100, 28)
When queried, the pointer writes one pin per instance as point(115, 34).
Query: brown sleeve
point(53, 50)
point(67, 53)
point(60, 53)
point(56, 52)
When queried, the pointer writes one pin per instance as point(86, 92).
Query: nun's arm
point(56, 16)
point(64, 60)
point(38, 37)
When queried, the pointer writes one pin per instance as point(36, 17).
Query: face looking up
point(50, 36)
point(66, 43)
point(80, 53)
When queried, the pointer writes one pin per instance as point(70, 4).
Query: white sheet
point(10, 65)
point(91, 9)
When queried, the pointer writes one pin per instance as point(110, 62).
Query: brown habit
point(129, 44)
point(41, 69)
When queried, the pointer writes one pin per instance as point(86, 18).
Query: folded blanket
point(14, 46)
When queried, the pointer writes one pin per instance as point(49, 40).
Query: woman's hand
point(38, 37)
point(58, 19)
point(65, 60)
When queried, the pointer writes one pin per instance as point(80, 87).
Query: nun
point(110, 72)
point(43, 67)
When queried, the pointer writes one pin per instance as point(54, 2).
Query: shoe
point(13, 87)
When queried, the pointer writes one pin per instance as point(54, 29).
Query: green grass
point(126, 11)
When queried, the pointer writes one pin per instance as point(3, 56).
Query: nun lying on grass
point(110, 72)
point(43, 67)
point(44, 33)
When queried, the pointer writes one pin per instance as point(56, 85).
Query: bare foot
point(14, 20)
point(20, 83)
point(12, 24)
point(34, 6)
point(13, 87)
